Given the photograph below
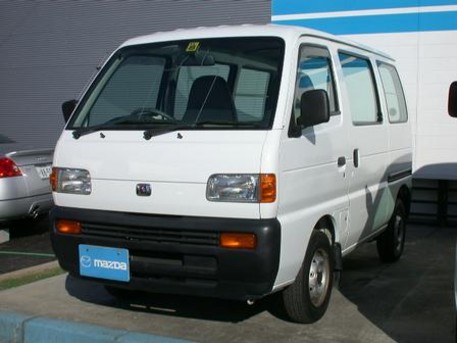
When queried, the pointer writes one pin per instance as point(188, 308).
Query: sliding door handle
point(356, 157)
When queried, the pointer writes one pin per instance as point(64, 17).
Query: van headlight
point(69, 180)
point(254, 188)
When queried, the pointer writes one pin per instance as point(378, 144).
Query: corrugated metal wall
point(50, 49)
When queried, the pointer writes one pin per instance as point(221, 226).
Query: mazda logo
point(85, 261)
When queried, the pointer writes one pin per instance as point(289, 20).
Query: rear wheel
point(306, 300)
point(391, 242)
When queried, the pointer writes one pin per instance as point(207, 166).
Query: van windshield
point(223, 83)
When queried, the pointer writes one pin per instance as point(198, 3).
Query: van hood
point(190, 156)
point(177, 166)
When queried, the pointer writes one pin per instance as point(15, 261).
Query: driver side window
point(314, 71)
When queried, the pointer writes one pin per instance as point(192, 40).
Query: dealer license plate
point(104, 263)
point(44, 171)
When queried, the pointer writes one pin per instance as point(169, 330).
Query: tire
point(306, 300)
point(390, 243)
point(455, 329)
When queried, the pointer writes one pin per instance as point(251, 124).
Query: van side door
point(369, 146)
point(312, 164)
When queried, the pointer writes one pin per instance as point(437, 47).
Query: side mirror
point(314, 108)
point(67, 108)
point(452, 102)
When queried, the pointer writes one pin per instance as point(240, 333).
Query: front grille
point(150, 234)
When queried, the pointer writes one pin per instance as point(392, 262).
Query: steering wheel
point(144, 112)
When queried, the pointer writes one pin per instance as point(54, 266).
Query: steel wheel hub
point(319, 277)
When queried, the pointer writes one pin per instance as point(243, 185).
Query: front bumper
point(178, 255)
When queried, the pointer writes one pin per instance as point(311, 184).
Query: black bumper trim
point(399, 175)
point(178, 255)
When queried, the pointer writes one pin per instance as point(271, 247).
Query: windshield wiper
point(227, 123)
point(82, 131)
point(113, 124)
point(149, 133)
point(157, 131)
point(154, 132)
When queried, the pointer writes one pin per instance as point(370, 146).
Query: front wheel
point(391, 242)
point(306, 300)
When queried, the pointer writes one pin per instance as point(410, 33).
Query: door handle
point(341, 161)
point(356, 157)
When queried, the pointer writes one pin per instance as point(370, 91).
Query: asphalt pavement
point(29, 245)
point(409, 301)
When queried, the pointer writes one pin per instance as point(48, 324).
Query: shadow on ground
point(409, 301)
point(172, 305)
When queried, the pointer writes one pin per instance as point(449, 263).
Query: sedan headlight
point(69, 180)
point(253, 188)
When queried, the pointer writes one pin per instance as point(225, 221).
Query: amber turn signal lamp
point(267, 188)
point(238, 240)
point(53, 179)
point(68, 226)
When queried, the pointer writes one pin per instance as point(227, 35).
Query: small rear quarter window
point(393, 91)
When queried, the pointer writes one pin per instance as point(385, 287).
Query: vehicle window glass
point(314, 71)
point(133, 86)
point(395, 99)
point(196, 84)
point(251, 94)
point(187, 76)
point(361, 90)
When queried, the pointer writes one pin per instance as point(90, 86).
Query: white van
point(233, 162)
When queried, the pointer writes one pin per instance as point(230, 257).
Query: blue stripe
point(280, 7)
point(391, 23)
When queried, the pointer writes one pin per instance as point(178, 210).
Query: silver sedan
point(25, 191)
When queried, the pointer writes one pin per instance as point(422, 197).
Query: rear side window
point(361, 89)
point(395, 99)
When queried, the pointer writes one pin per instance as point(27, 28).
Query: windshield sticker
point(193, 47)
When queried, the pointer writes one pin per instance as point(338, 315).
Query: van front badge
point(143, 189)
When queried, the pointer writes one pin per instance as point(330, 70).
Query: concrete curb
point(20, 328)
point(30, 270)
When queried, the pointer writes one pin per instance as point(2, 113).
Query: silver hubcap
point(319, 277)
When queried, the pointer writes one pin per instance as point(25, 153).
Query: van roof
point(288, 33)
